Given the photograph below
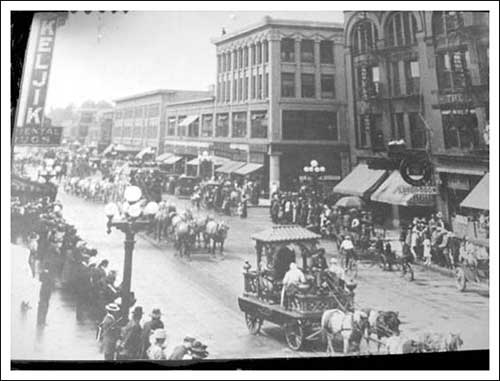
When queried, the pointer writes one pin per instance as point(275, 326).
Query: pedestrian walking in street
point(149, 328)
point(130, 344)
point(47, 286)
point(109, 331)
point(427, 250)
point(182, 350)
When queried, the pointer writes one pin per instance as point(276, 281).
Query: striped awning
point(144, 151)
point(195, 161)
point(248, 168)
point(164, 156)
point(285, 233)
point(217, 160)
point(172, 159)
point(230, 167)
point(396, 191)
point(188, 120)
point(462, 169)
point(361, 181)
point(479, 197)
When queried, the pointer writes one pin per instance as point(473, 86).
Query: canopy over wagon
point(299, 313)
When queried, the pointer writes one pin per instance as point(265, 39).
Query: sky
point(107, 56)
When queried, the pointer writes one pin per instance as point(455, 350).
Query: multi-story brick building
point(100, 130)
point(139, 119)
point(421, 77)
point(279, 102)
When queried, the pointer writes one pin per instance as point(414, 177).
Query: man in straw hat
point(109, 331)
point(149, 328)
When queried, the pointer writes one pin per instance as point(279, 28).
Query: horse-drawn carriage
point(300, 312)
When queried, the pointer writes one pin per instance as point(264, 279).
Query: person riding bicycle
point(347, 248)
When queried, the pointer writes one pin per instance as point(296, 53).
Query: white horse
point(351, 326)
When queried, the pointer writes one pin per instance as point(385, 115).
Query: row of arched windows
point(400, 29)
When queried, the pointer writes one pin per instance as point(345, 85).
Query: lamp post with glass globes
point(315, 171)
point(128, 220)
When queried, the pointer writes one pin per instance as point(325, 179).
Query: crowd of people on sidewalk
point(60, 258)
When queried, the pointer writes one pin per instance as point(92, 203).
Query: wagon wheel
point(294, 334)
point(253, 323)
point(460, 279)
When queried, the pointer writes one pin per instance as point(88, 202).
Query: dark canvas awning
point(361, 181)
point(396, 191)
point(285, 233)
point(479, 197)
point(248, 168)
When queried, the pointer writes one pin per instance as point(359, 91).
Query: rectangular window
point(258, 124)
point(239, 124)
point(452, 70)
point(181, 130)
point(139, 112)
point(245, 56)
point(153, 131)
point(129, 113)
point(252, 51)
point(266, 85)
point(228, 91)
point(118, 115)
point(412, 76)
point(259, 53)
point(310, 125)
point(460, 129)
point(288, 50)
point(229, 61)
point(207, 125)
point(240, 90)
point(171, 126)
point(154, 110)
point(376, 132)
point(394, 78)
point(259, 86)
point(288, 85)
point(398, 126)
point(308, 86)
point(417, 131)
point(307, 51)
point(240, 58)
point(245, 88)
point(327, 86)
point(234, 90)
point(326, 51)
point(194, 128)
point(266, 51)
point(222, 125)
point(399, 30)
point(253, 87)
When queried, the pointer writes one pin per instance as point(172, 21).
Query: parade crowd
point(60, 259)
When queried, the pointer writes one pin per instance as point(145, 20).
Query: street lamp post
point(128, 220)
point(315, 171)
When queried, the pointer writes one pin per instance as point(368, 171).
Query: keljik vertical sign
point(30, 128)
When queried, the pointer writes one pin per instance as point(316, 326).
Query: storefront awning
point(172, 159)
point(144, 151)
point(188, 120)
point(194, 161)
point(108, 149)
point(396, 191)
point(164, 156)
point(217, 160)
point(361, 181)
point(248, 168)
point(123, 148)
point(479, 197)
point(230, 167)
point(461, 169)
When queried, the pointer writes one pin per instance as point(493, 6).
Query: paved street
point(199, 298)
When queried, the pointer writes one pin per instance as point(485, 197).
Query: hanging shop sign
point(30, 127)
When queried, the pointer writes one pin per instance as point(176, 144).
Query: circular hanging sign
point(416, 170)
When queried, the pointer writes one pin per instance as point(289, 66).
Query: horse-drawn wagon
point(299, 312)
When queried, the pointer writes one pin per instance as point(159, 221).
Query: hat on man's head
point(137, 311)
point(156, 313)
point(189, 339)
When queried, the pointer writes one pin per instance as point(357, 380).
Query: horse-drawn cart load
point(291, 285)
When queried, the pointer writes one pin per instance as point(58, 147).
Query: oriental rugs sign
point(31, 128)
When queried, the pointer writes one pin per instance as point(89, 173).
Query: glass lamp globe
point(306, 169)
point(134, 210)
point(314, 163)
point(322, 169)
point(125, 207)
point(111, 209)
point(316, 169)
point(151, 208)
point(132, 194)
point(57, 168)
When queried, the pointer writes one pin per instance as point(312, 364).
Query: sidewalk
point(63, 338)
